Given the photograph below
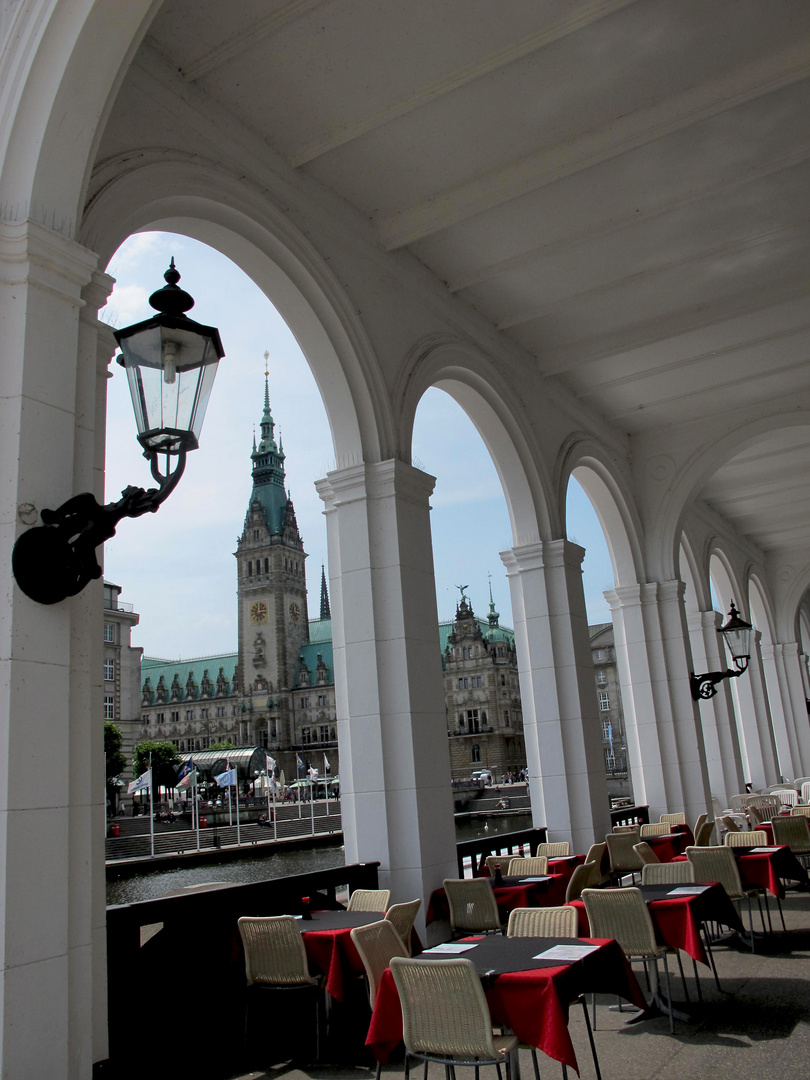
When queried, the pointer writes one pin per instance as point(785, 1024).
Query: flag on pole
point(144, 781)
point(227, 778)
point(271, 764)
point(185, 768)
point(326, 765)
point(298, 762)
point(189, 780)
point(312, 773)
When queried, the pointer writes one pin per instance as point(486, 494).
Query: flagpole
point(311, 806)
point(195, 805)
point(326, 782)
point(275, 816)
point(151, 810)
point(236, 790)
point(297, 785)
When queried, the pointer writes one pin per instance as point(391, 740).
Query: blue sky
point(177, 567)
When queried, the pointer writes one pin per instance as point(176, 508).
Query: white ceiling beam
point(248, 38)
point(553, 163)
point(570, 23)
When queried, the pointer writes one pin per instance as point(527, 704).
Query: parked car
point(483, 774)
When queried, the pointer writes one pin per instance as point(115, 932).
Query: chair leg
point(683, 978)
point(591, 1039)
point(669, 993)
point(710, 954)
point(781, 913)
point(697, 981)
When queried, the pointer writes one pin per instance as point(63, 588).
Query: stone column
point(717, 717)
point(779, 701)
point(560, 715)
point(664, 737)
point(51, 777)
point(396, 796)
point(752, 706)
point(792, 687)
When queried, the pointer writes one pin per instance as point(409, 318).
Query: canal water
point(154, 883)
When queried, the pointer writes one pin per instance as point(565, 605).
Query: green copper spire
point(493, 614)
point(268, 469)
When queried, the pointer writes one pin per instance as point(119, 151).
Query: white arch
point(462, 372)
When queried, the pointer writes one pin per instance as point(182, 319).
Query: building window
point(501, 651)
point(263, 738)
point(220, 710)
point(323, 733)
point(461, 721)
point(109, 670)
point(304, 702)
point(601, 677)
point(321, 700)
point(189, 714)
point(477, 680)
point(607, 731)
point(598, 654)
point(472, 720)
point(467, 653)
point(475, 754)
point(604, 701)
point(464, 684)
point(109, 707)
point(109, 633)
point(175, 717)
point(610, 760)
point(205, 714)
point(506, 718)
point(306, 736)
point(145, 718)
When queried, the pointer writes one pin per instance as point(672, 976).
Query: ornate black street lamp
point(171, 363)
point(737, 635)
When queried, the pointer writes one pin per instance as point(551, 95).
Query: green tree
point(164, 761)
point(115, 759)
point(223, 745)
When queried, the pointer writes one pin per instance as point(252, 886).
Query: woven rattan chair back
point(376, 945)
point(542, 922)
point(717, 863)
point(673, 819)
point(536, 866)
point(746, 838)
point(554, 851)
point(702, 818)
point(623, 858)
point(765, 805)
point(801, 811)
point(444, 1011)
point(621, 914)
point(401, 917)
point(472, 904)
point(704, 834)
point(667, 873)
point(645, 853)
point(625, 829)
point(499, 862)
point(805, 791)
point(792, 831)
point(787, 796)
point(738, 803)
point(595, 855)
point(730, 823)
point(274, 951)
point(658, 828)
point(370, 900)
point(585, 876)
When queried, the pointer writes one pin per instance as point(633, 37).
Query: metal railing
point(472, 854)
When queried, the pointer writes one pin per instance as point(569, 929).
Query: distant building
point(122, 666)
point(608, 693)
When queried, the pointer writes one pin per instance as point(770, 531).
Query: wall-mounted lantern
point(737, 636)
point(171, 363)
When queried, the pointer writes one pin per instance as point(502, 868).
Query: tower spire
point(493, 616)
point(268, 467)
point(325, 610)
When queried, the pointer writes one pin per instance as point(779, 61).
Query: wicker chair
point(795, 833)
point(376, 945)
point(704, 834)
point(276, 962)
point(765, 806)
point(370, 900)
point(787, 796)
point(533, 867)
point(623, 858)
point(702, 819)
point(595, 854)
point(472, 906)
point(667, 873)
point(585, 876)
point(738, 803)
point(805, 791)
point(800, 811)
point(659, 828)
point(498, 862)
point(622, 914)
point(673, 819)
point(445, 1017)
point(743, 838)
point(554, 851)
point(730, 824)
point(558, 922)
point(717, 863)
point(625, 829)
point(645, 853)
point(402, 916)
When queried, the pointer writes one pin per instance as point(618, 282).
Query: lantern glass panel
point(738, 640)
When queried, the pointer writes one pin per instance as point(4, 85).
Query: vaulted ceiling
point(620, 187)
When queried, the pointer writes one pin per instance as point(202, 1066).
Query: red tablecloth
point(765, 869)
point(677, 919)
point(669, 847)
point(564, 865)
point(511, 894)
point(527, 996)
point(330, 949)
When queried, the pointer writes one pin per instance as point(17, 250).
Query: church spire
point(325, 610)
point(493, 616)
point(268, 468)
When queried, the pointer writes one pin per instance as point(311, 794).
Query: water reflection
point(154, 883)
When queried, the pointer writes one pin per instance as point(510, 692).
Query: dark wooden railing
point(176, 973)
point(472, 853)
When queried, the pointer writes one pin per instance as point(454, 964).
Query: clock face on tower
point(258, 612)
point(295, 612)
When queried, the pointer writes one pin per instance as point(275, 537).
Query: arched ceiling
point(619, 187)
